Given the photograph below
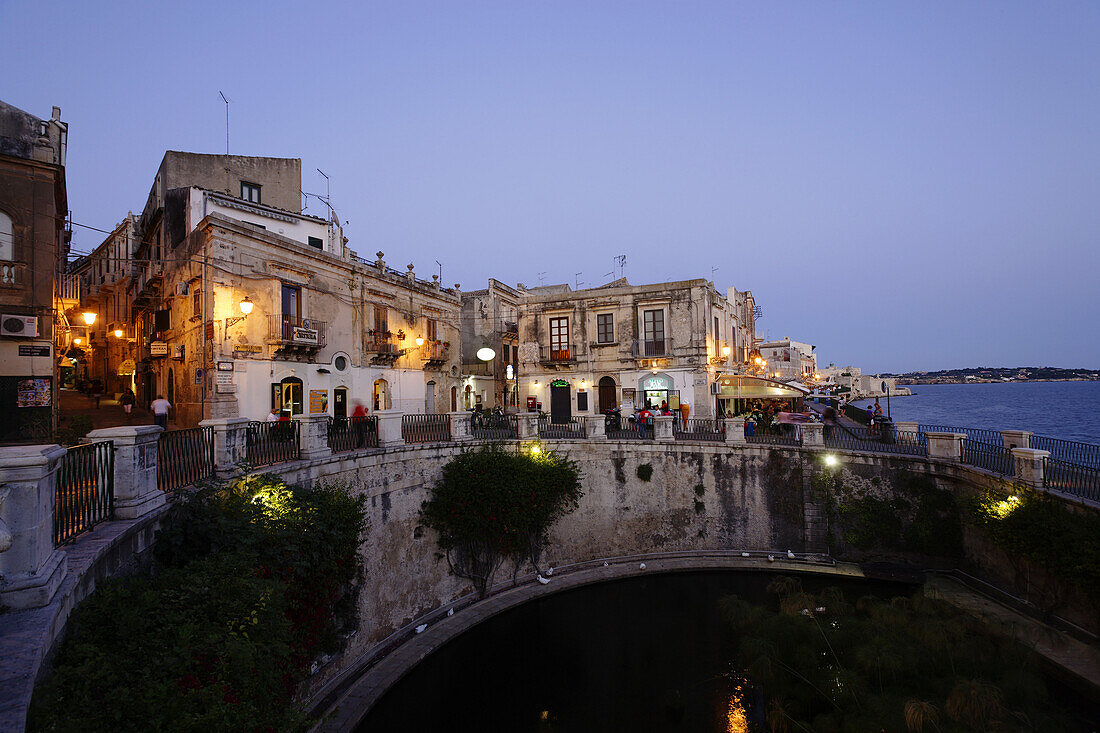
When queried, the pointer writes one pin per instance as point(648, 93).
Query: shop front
point(656, 389)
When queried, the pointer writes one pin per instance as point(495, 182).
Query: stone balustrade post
point(735, 431)
point(461, 427)
point(909, 427)
point(313, 436)
point(1030, 465)
point(662, 429)
point(31, 568)
point(528, 425)
point(135, 480)
point(813, 434)
point(945, 445)
point(595, 427)
point(389, 428)
point(230, 444)
point(1016, 438)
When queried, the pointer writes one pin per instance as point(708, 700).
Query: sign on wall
point(304, 335)
point(656, 383)
point(158, 348)
point(34, 350)
point(318, 401)
point(33, 393)
point(248, 348)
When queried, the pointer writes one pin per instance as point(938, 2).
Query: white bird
point(771, 558)
point(542, 580)
point(642, 566)
point(605, 563)
point(420, 628)
point(549, 571)
point(790, 555)
point(744, 554)
point(450, 612)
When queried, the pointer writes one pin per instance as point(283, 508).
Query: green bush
point(245, 591)
point(645, 471)
point(74, 432)
point(491, 505)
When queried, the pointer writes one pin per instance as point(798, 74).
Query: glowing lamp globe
point(486, 354)
point(89, 318)
point(246, 305)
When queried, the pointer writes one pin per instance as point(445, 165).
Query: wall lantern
point(89, 317)
point(246, 305)
point(486, 354)
point(419, 340)
point(78, 341)
point(725, 351)
point(118, 333)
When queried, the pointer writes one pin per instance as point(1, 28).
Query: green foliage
point(700, 489)
point(824, 664)
point(74, 432)
point(248, 580)
point(1039, 528)
point(491, 504)
point(645, 471)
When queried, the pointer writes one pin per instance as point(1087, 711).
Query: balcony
point(434, 354)
point(478, 369)
point(12, 274)
point(648, 349)
point(297, 338)
point(383, 347)
point(558, 355)
point(68, 290)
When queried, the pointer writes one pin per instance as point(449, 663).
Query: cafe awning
point(738, 386)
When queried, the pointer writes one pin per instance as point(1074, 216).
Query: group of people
point(762, 415)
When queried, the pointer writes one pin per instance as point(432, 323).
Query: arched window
point(7, 238)
point(381, 394)
point(290, 392)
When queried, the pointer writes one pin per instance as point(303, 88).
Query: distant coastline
point(996, 375)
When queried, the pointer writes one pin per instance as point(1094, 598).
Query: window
point(7, 238)
point(653, 332)
point(250, 192)
point(380, 325)
point(340, 363)
point(196, 304)
point(317, 242)
point(559, 338)
point(716, 331)
point(605, 328)
point(292, 310)
point(429, 325)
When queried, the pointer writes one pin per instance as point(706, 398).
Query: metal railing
point(1071, 478)
point(434, 351)
point(298, 331)
point(488, 426)
point(352, 433)
point(1069, 451)
point(880, 439)
point(574, 429)
point(995, 458)
point(380, 343)
point(68, 287)
point(184, 457)
point(563, 353)
point(978, 435)
point(273, 442)
point(764, 438)
point(699, 429)
point(616, 428)
point(427, 428)
point(85, 490)
point(652, 347)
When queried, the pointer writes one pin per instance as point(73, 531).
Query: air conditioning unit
point(18, 325)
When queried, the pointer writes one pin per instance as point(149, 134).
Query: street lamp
point(419, 340)
point(246, 308)
point(486, 354)
point(89, 318)
point(118, 333)
point(726, 351)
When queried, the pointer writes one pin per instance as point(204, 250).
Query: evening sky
point(907, 186)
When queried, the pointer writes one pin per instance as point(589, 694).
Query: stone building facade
point(34, 244)
point(588, 351)
point(324, 329)
point(788, 360)
point(490, 319)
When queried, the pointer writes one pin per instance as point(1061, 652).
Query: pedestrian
point(160, 409)
point(127, 400)
point(273, 416)
point(359, 420)
point(644, 418)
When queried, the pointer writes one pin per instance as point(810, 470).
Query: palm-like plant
point(919, 713)
point(976, 704)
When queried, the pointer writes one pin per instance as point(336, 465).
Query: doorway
point(340, 402)
point(607, 395)
point(381, 394)
point(290, 395)
point(560, 402)
point(454, 399)
point(171, 388)
point(429, 398)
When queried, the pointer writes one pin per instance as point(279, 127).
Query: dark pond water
point(644, 654)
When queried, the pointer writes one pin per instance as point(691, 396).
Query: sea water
point(1067, 410)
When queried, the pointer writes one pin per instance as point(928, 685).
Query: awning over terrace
point(738, 386)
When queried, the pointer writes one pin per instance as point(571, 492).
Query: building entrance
point(608, 402)
point(560, 403)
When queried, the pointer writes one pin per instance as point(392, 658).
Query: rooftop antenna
point(621, 259)
point(577, 280)
point(227, 189)
point(328, 191)
point(440, 270)
point(542, 275)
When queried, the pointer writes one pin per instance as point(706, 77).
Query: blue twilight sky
point(905, 185)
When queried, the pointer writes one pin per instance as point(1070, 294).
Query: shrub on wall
point(491, 505)
point(247, 584)
point(645, 471)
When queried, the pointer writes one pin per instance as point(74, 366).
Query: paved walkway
point(109, 414)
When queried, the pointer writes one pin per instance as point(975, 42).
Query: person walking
point(127, 400)
point(359, 420)
point(160, 409)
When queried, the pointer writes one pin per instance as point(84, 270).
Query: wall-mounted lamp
point(419, 340)
point(118, 333)
point(78, 341)
point(246, 308)
point(726, 351)
point(89, 317)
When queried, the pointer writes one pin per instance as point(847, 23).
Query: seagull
point(549, 572)
point(790, 555)
point(744, 554)
point(771, 558)
point(450, 612)
point(642, 566)
point(541, 579)
point(420, 628)
point(605, 563)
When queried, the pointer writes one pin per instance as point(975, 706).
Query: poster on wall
point(33, 393)
point(318, 401)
